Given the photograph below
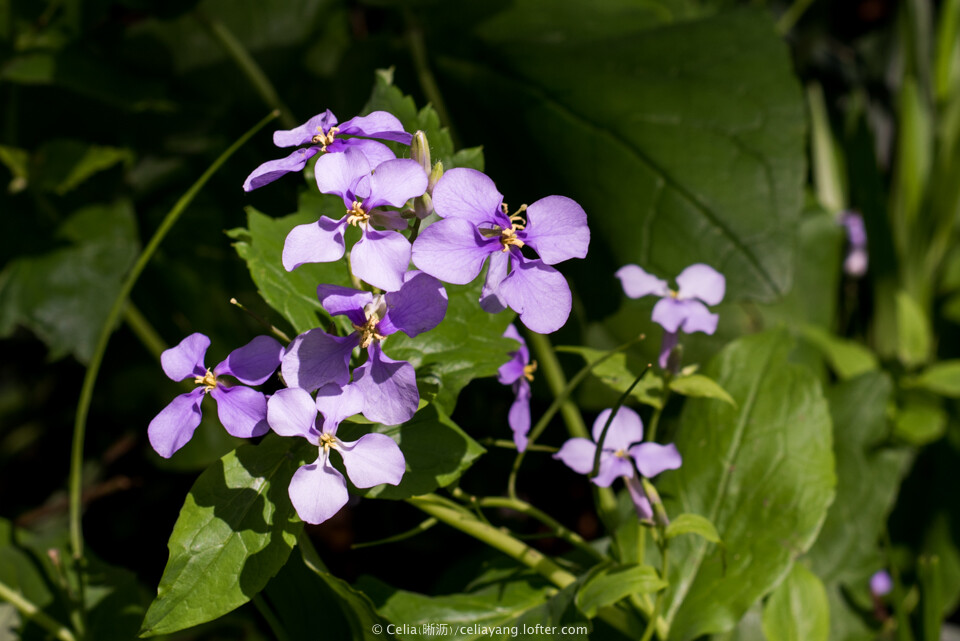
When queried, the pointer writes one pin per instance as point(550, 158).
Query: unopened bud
point(420, 150)
point(423, 206)
point(435, 176)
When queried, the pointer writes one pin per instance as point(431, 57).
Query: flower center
point(374, 311)
point(528, 371)
point(356, 214)
point(621, 454)
point(328, 441)
point(509, 236)
point(208, 380)
point(673, 293)
point(324, 139)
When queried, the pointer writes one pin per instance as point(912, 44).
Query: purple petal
point(339, 173)
point(881, 583)
point(316, 358)
point(578, 454)
point(417, 307)
point(292, 412)
point(174, 425)
point(491, 298)
point(242, 411)
point(640, 501)
point(389, 388)
point(625, 429)
point(453, 250)
point(273, 169)
point(253, 363)
point(538, 293)
point(467, 194)
point(319, 242)
point(373, 460)
point(339, 300)
point(337, 403)
point(653, 458)
point(381, 258)
point(666, 346)
point(513, 369)
point(522, 352)
point(702, 282)
point(686, 315)
point(557, 229)
point(519, 415)
point(395, 182)
point(611, 468)
point(317, 491)
point(319, 124)
point(376, 152)
point(638, 283)
point(856, 262)
point(377, 124)
point(186, 359)
point(856, 230)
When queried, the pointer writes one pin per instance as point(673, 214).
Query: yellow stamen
point(621, 454)
point(508, 237)
point(208, 380)
point(528, 371)
point(674, 294)
point(368, 331)
point(324, 139)
point(328, 441)
point(356, 214)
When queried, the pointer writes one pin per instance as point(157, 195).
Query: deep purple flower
point(318, 490)
point(681, 310)
point(624, 441)
point(881, 583)
point(242, 411)
point(857, 259)
point(476, 225)
point(322, 134)
point(389, 388)
point(379, 257)
point(518, 372)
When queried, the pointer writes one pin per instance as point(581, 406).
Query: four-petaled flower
point(681, 310)
point(323, 134)
point(476, 225)
point(242, 411)
point(389, 388)
point(518, 372)
point(622, 447)
point(318, 490)
point(379, 257)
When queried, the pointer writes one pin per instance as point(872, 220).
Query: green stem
point(90, 378)
point(654, 620)
point(143, 330)
point(421, 527)
point(510, 445)
point(31, 611)
point(606, 426)
point(557, 382)
point(792, 15)
point(247, 65)
point(272, 621)
point(428, 83)
point(280, 334)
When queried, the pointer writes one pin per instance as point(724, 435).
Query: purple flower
point(243, 411)
point(518, 371)
point(622, 448)
point(379, 257)
point(388, 387)
point(476, 225)
point(681, 310)
point(881, 583)
point(318, 490)
point(855, 264)
point(322, 134)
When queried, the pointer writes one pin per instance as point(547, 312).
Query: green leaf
point(64, 296)
point(940, 378)
point(729, 196)
point(609, 585)
point(846, 357)
point(17, 161)
point(61, 165)
point(762, 472)
point(913, 331)
point(235, 531)
point(699, 386)
point(920, 421)
point(435, 449)
point(693, 524)
point(617, 373)
point(798, 609)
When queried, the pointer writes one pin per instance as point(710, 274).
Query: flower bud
point(420, 150)
point(435, 176)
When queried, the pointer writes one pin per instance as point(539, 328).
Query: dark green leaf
point(941, 378)
point(61, 165)
point(692, 524)
point(235, 531)
point(699, 386)
point(846, 357)
point(608, 586)
point(798, 609)
point(618, 373)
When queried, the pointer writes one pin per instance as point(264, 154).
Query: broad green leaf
point(868, 478)
point(729, 195)
point(699, 386)
point(762, 472)
point(920, 420)
point(750, 627)
point(693, 524)
point(61, 165)
point(846, 357)
point(618, 373)
point(63, 296)
point(941, 378)
point(913, 331)
point(798, 610)
point(849, 621)
point(235, 531)
point(435, 449)
point(608, 586)
point(21, 572)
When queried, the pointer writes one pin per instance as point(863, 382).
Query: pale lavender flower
point(881, 583)
point(856, 262)
point(323, 134)
point(518, 372)
point(622, 448)
point(681, 310)
point(317, 490)
point(388, 387)
point(379, 257)
point(242, 411)
point(476, 225)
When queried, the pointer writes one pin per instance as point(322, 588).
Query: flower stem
point(143, 330)
point(90, 378)
point(428, 83)
point(30, 610)
point(606, 426)
point(272, 621)
point(421, 527)
point(510, 445)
